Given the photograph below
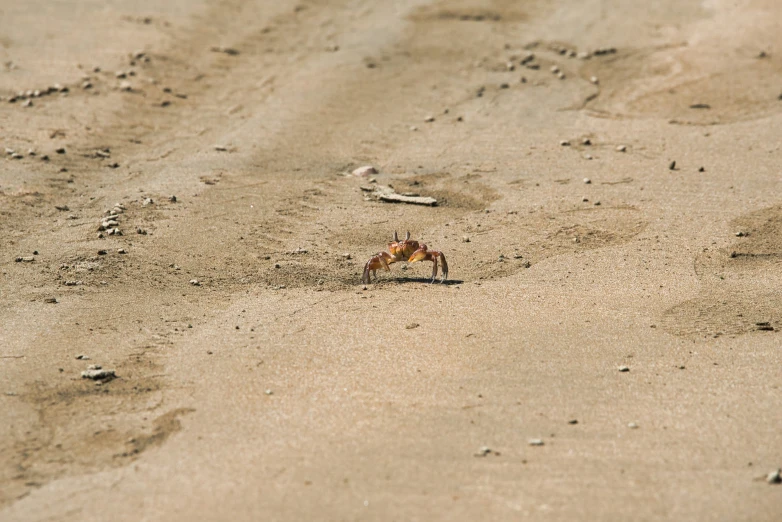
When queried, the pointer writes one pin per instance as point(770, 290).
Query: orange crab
point(408, 250)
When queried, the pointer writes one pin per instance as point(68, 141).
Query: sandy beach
point(180, 219)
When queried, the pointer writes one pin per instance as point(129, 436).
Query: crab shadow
point(407, 280)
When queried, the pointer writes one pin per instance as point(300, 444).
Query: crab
point(408, 250)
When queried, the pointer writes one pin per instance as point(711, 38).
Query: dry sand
point(277, 388)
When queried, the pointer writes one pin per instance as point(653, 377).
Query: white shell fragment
point(364, 171)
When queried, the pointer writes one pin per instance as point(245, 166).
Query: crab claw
point(376, 262)
point(419, 255)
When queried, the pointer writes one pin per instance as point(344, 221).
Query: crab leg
point(444, 268)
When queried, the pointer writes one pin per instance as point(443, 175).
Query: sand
point(258, 379)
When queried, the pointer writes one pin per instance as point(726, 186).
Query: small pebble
point(774, 477)
point(121, 251)
point(483, 451)
point(535, 442)
point(701, 169)
point(587, 181)
point(25, 259)
point(97, 373)
point(52, 300)
point(465, 239)
point(573, 421)
point(564, 143)
point(172, 199)
point(412, 326)
point(623, 369)
point(672, 165)
point(429, 119)
point(632, 425)
point(102, 252)
point(83, 357)
point(60, 150)
point(195, 282)
point(586, 141)
point(554, 69)
point(269, 392)
point(594, 80)
point(621, 148)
